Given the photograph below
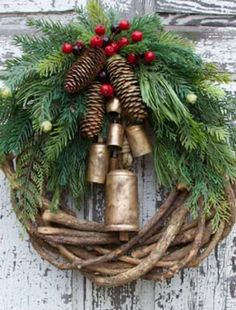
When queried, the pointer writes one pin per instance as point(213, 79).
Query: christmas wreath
point(78, 106)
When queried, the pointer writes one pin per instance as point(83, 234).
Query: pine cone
point(127, 88)
point(85, 70)
point(92, 123)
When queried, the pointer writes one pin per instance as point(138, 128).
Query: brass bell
point(115, 135)
point(138, 140)
point(121, 213)
point(98, 163)
point(113, 106)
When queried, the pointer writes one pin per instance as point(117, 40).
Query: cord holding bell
point(115, 132)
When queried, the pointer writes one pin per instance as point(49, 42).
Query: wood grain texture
point(27, 282)
point(33, 6)
point(197, 6)
point(26, 6)
point(196, 20)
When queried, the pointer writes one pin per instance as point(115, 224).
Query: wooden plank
point(197, 20)
point(26, 281)
point(25, 6)
point(36, 6)
point(197, 6)
point(213, 44)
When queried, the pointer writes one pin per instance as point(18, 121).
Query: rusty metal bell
point(122, 212)
point(113, 106)
point(98, 163)
point(115, 135)
point(138, 140)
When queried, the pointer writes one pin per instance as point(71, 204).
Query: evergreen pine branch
point(31, 174)
point(20, 128)
point(55, 201)
point(19, 70)
point(96, 14)
point(34, 45)
point(161, 98)
point(173, 39)
point(66, 127)
point(53, 64)
point(68, 170)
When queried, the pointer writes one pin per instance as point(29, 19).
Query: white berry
point(191, 98)
point(46, 126)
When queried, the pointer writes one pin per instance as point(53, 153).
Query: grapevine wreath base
point(170, 241)
point(79, 106)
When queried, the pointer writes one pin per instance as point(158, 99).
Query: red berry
point(149, 56)
point(109, 50)
point(137, 36)
point(100, 30)
point(123, 42)
point(107, 90)
point(115, 46)
point(96, 41)
point(132, 58)
point(124, 24)
point(67, 48)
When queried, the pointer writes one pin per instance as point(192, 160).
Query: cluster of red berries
point(148, 56)
point(111, 47)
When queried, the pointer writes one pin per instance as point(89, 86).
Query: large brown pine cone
point(85, 70)
point(92, 123)
point(127, 88)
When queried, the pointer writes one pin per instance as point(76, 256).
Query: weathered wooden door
point(27, 282)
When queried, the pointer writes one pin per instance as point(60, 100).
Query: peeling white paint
point(121, 6)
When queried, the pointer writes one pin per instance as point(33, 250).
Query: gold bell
point(98, 163)
point(113, 106)
point(138, 140)
point(115, 135)
point(122, 213)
